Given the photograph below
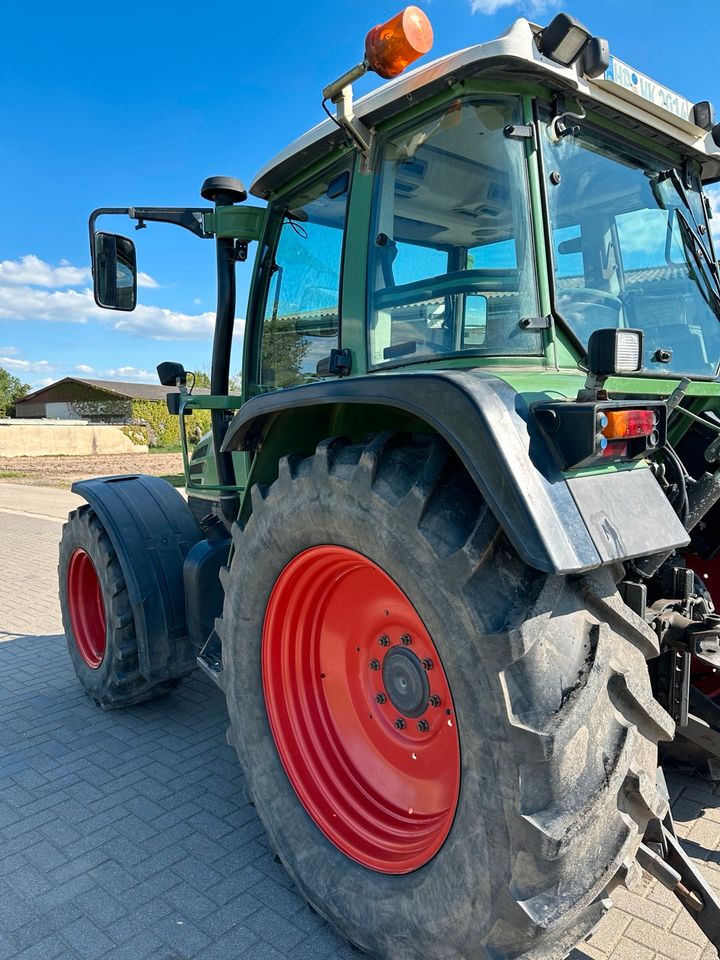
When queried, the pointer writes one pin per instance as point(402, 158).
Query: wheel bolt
point(423, 726)
point(400, 723)
point(406, 639)
point(427, 663)
point(374, 664)
point(384, 640)
point(380, 698)
point(434, 701)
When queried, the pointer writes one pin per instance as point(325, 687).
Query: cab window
point(452, 266)
point(300, 322)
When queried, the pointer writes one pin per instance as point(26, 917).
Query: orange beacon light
point(394, 45)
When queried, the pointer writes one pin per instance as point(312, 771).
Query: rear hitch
point(661, 855)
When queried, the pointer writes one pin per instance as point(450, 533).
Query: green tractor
point(451, 555)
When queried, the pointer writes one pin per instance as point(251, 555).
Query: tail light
point(599, 432)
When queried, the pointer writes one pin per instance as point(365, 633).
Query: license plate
point(634, 81)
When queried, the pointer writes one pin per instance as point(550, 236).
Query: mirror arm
point(191, 218)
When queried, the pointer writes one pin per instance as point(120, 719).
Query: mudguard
point(556, 524)
point(152, 530)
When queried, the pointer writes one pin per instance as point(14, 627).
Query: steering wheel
point(592, 295)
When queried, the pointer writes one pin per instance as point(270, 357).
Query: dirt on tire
point(63, 471)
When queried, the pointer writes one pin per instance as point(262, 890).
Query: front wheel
point(453, 754)
point(98, 618)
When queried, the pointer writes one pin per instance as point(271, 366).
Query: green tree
point(202, 379)
point(11, 390)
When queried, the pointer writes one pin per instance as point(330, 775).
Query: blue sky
point(135, 103)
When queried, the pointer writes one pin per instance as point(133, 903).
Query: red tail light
point(629, 423)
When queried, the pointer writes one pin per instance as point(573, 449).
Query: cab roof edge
point(516, 45)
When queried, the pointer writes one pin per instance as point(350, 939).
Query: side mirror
point(114, 268)
point(171, 374)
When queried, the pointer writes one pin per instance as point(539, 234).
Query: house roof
point(121, 389)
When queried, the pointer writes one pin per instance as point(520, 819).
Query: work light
point(611, 352)
point(563, 40)
point(703, 115)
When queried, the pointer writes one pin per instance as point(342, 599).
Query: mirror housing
point(171, 374)
point(114, 270)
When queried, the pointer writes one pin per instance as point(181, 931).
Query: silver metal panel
point(627, 514)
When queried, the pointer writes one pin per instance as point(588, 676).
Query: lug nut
point(374, 664)
point(384, 640)
point(427, 663)
point(400, 723)
point(423, 726)
point(434, 701)
point(406, 639)
point(380, 698)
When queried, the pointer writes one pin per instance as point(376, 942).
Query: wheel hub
point(406, 682)
point(360, 709)
point(87, 610)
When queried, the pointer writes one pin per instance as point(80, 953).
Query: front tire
point(556, 725)
point(98, 618)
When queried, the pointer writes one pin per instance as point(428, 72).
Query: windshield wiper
point(694, 245)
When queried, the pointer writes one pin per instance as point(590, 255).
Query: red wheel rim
point(381, 784)
point(87, 610)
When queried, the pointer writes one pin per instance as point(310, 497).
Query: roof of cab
point(514, 53)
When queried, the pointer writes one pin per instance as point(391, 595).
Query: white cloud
point(130, 373)
point(159, 323)
point(84, 368)
point(27, 366)
point(45, 382)
point(22, 297)
point(532, 7)
point(31, 271)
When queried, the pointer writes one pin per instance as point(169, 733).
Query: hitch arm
point(661, 855)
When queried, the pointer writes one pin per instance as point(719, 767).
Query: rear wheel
point(452, 753)
point(98, 618)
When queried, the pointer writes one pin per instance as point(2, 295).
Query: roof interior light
point(563, 40)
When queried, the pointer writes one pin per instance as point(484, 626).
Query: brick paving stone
point(127, 835)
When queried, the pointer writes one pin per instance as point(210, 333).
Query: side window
point(300, 323)
point(451, 265)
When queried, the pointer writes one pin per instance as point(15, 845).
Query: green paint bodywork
point(552, 376)
point(239, 223)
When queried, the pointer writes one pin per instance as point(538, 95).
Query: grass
point(176, 479)
point(168, 448)
point(11, 474)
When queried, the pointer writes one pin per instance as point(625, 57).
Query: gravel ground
point(62, 471)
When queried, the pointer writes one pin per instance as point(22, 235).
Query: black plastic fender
point(152, 530)
point(556, 524)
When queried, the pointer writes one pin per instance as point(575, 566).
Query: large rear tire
point(546, 682)
point(98, 618)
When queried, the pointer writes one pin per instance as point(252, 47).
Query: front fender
point(556, 524)
point(152, 529)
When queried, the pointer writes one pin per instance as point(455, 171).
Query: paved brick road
point(126, 835)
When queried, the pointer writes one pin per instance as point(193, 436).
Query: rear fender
point(152, 530)
point(556, 524)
